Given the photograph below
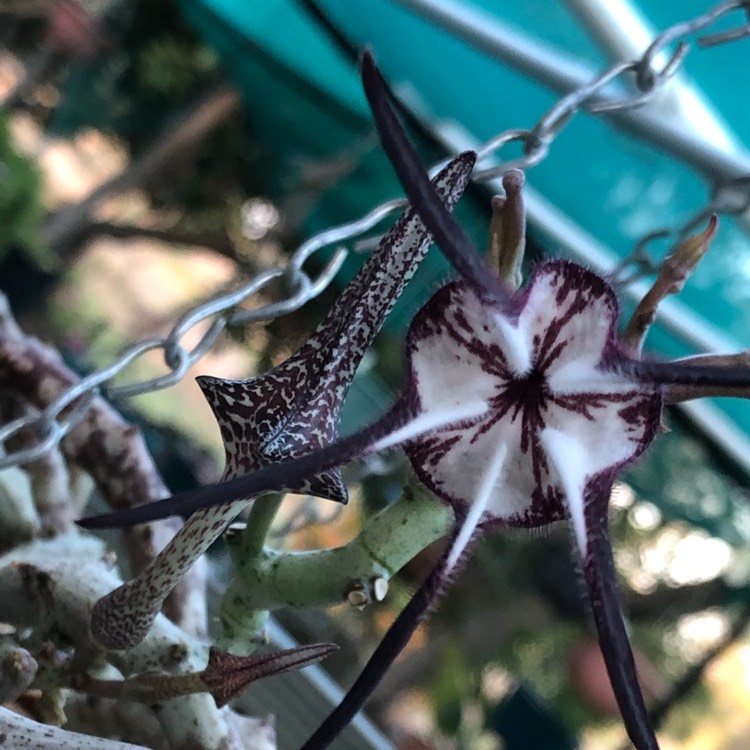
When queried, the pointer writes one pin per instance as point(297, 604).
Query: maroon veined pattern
point(564, 316)
point(555, 298)
point(295, 408)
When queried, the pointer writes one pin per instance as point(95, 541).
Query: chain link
point(733, 198)
point(223, 311)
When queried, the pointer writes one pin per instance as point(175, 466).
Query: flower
point(557, 418)
point(283, 414)
point(519, 409)
point(295, 408)
point(560, 421)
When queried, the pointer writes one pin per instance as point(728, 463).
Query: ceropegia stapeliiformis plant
point(519, 409)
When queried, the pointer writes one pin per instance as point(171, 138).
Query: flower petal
point(599, 572)
point(452, 464)
point(587, 500)
point(242, 409)
point(568, 317)
point(614, 428)
point(272, 478)
point(568, 457)
point(460, 349)
point(448, 234)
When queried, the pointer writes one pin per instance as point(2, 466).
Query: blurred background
point(155, 154)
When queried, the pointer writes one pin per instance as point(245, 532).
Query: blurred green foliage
point(156, 65)
point(21, 210)
point(155, 72)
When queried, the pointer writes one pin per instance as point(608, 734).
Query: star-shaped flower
point(560, 417)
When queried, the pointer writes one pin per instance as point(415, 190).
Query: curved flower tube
point(292, 410)
point(519, 409)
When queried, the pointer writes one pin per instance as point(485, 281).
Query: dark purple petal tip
point(448, 234)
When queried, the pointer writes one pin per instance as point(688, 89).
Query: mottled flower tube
point(285, 413)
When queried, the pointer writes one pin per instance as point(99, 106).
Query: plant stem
point(260, 517)
point(322, 578)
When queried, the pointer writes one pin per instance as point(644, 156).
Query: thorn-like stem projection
point(674, 272)
point(225, 676)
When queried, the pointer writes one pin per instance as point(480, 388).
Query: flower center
point(524, 396)
point(530, 392)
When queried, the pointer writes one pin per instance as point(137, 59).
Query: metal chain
point(51, 424)
point(54, 422)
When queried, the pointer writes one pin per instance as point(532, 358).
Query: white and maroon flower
point(559, 421)
point(557, 418)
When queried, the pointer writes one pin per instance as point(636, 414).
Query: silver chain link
point(54, 422)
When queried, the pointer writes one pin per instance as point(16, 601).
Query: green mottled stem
point(242, 630)
point(260, 518)
point(246, 550)
point(322, 578)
